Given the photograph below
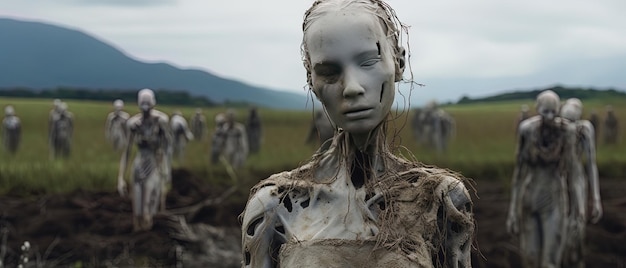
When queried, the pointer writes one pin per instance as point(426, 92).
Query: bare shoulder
point(265, 196)
point(447, 186)
point(133, 121)
point(529, 124)
point(163, 117)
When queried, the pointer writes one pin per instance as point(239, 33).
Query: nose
point(352, 87)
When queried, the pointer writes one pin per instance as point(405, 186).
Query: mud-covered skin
point(539, 200)
point(151, 165)
point(584, 180)
point(408, 215)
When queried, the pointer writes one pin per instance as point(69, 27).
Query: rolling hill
point(41, 56)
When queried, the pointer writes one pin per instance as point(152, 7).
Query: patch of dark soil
point(605, 241)
point(95, 228)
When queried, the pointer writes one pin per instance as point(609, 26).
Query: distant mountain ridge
point(39, 55)
point(563, 92)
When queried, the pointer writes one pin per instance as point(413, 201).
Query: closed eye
point(370, 62)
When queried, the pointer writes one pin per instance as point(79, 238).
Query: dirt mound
point(95, 228)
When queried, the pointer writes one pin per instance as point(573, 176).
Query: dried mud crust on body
point(408, 211)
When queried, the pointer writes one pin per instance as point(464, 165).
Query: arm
point(516, 183)
point(260, 241)
point(121, 184)
point(458, 221)
point(107, 127)
point(588, 142)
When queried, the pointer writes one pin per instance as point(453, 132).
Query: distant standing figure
point(545, 157)
point(217, 139)
point(321, 130)
point(182, 135)
point(11, 130)
point(149, 131)
point(61, 129)
point(198, 125)
point(433, 127)
point(231, 142)
point(115, 126)
point(254, 130)
point(583, 180)
point(611, 126)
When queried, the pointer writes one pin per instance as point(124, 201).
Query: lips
point(358, 113)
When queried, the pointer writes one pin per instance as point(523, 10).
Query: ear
point(400, 63)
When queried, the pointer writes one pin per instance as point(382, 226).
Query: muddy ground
point(94, 229)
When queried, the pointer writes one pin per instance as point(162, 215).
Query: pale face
point(548, 111)
point(352, 69)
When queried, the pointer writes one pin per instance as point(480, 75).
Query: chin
point(359, 127)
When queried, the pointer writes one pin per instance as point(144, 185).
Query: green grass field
point(482, 149)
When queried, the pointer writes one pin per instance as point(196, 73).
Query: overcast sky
point(258, 42)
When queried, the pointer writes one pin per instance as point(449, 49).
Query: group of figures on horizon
point(554, 182)
point(610, 126)
point(160, 139)
point(433, 127)
point(60, 130)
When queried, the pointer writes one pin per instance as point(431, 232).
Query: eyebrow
point(369, 54)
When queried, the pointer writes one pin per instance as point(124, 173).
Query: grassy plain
point(483, 147)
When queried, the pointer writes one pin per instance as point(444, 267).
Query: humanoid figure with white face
point(583, 180)
point(149, 131)
point(182, 134)
point(356, 204)
point(539, 196)
point(198, 125)
point(61, 129)
point(115, 127)
point(11, 130)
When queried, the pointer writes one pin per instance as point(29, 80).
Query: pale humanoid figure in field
point(198, 125)
point(149, 131)
point(218, 137)
point(357, 204)
point(611, 126)
point(182, 134)
point(231, 141)
point(583, 180)
point(11, 130)
point(254, 130)
point(115, 130)
point(539, 196)
point(321, 131)
point(433, 127)
point(61, 129)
